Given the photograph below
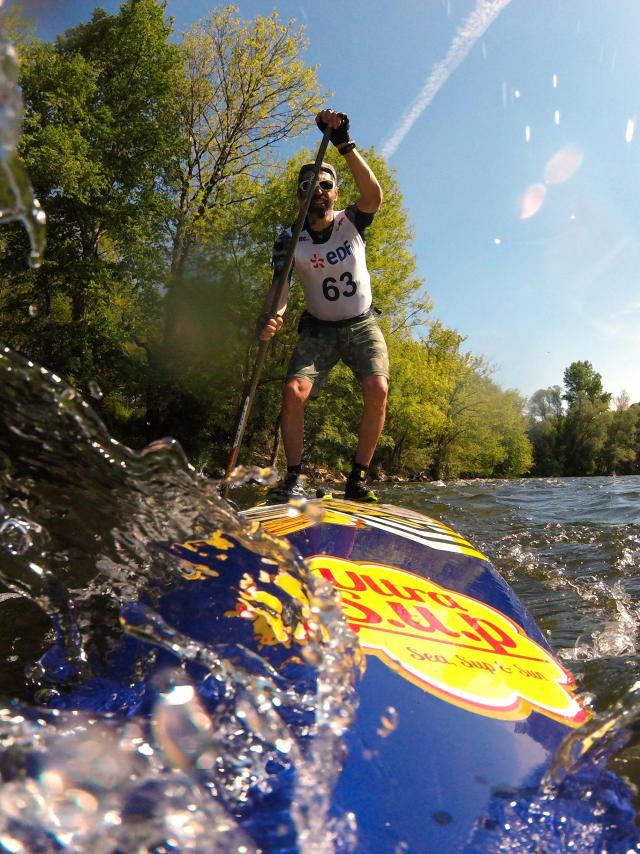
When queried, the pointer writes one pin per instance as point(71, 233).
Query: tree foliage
point(585, 436)
point(246, 88)
point(99, 129)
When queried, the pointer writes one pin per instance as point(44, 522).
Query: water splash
point(94, 785)
point(388, 722)
point(579, 797)
point(17, 201)
point(87, 532)
point(592, 743)
point(85, 525)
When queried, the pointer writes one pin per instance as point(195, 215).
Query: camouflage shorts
point(360, 345)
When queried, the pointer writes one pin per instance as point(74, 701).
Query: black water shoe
point(290, 489)
point(357, 490)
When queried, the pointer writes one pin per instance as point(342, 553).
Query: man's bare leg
point(295, 395)
point(374, 394)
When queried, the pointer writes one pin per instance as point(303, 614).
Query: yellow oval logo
point(449, 644)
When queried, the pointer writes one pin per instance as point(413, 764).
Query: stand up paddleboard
point(461, 706)
point(481, 703)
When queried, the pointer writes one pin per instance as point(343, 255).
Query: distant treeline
point(155, 160)
point(577, 432)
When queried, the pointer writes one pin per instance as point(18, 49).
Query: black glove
point(339, 135)
point(262, 321)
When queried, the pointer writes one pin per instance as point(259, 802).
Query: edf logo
point(340, 253)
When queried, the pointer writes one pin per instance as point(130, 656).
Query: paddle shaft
point(281, 282)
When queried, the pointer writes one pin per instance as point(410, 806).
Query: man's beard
point(320, 207)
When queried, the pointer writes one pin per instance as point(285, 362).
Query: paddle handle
point(281, 281)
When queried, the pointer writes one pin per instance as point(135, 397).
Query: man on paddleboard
point(340, 322)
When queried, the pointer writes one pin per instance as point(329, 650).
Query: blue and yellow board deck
point(421, 618)
point(482, 704)
point(462, 705)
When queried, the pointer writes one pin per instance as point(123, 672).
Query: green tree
point(100, 128)
point(546, 431)
point(489, 429)
point(586, 422)
point(451, 386)
point(246, 89)
point(506, 415)
point(412, 409)
point(620, 450)
point(634, 468)
point(580, 379)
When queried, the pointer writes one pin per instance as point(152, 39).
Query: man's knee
point(375, 390)
point(296, 392)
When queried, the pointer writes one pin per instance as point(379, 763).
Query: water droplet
point(15, 535)
point(388, 722)
point(14, 181)
point(95, 390)
point(283, 745)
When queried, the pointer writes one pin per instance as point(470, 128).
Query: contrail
point(467, 34)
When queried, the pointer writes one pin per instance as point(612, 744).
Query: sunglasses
point(326, 184)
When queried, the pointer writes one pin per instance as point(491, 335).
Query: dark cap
point(309, 167)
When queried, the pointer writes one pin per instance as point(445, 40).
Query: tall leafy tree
point(247, 88)
point(452, 375)
point(546, 430)
point(585, 426)
point(584, 437)
point(620, 451)
point(101, 125)
point(580, 379)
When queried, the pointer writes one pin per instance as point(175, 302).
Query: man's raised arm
point(370, 197)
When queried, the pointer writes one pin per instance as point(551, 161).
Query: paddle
point(280, 284)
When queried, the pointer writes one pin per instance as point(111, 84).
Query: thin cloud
point(621, 324)
point(472, 28)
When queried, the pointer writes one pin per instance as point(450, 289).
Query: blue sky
point(519, 166)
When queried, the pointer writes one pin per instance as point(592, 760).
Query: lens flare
point(532, 201)
point(631, 128)
point(563, 165)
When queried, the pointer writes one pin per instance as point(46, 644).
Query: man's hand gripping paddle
point(281, 281)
